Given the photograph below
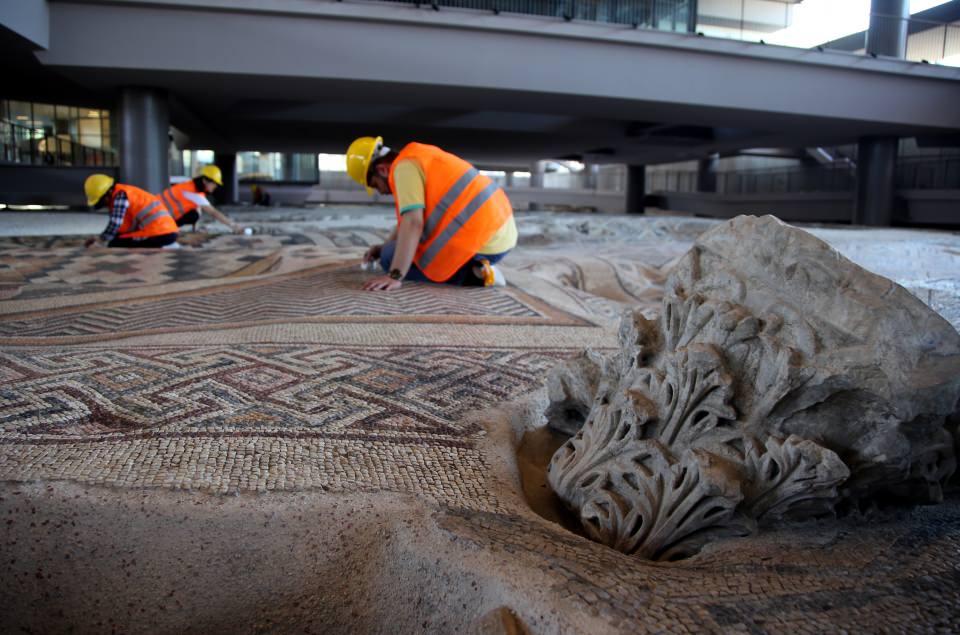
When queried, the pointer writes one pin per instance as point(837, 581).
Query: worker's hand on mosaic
point(373, 253)
point(90, 242)
point(382, 283)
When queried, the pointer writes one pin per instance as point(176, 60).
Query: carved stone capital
point(772, 358)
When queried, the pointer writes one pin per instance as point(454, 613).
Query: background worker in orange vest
point(453, 223)
point(137, 217)
point(188, 199)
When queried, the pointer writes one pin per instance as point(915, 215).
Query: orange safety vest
point(464, 209)
point(176, 202)
point(146, 215)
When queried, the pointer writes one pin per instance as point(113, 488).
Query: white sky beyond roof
point(819, 21)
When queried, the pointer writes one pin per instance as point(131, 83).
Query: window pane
point(105, 129)
point(9, 151)
point(20, 112)
point(90, 133)
point(61, 123)
point(44, 118)
point(45, 141)
point(44, 148)
point(21, 118)
point(65, 148)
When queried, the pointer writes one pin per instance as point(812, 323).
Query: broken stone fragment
point(779, 379)
point(571, 388)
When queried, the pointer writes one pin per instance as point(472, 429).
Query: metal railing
point(928, 41)
point(928, 173)
point(671, 181)
point(780, 180)
point(912, 173)
point(610, 181)
point(664, 15)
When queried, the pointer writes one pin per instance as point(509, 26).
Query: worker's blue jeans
point(386, 258)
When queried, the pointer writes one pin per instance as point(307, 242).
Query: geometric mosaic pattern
point(248, 413)
point(388, 394)
point(260, 417)
point(85, 271)
point(339, 237)
point(46, 266)
point(317, 295)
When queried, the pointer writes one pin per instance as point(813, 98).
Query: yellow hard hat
point(359, 156)
point(96, 186)
point(213, 173)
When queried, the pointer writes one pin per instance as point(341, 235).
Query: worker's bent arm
point(220, 216)
point(408, 236)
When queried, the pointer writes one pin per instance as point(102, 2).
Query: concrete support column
point(876, 181)
point(291, 169)
point(877, 156)
point(707, 173)
point(887, 34)
point(636, 188)
point(692, 12)
point(143, 126)
point(591, 176)
point(508, 178)
point(537, 170)
point(227, 162)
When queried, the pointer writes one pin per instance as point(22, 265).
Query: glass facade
point(55, 135)
point(186, 164)
point(278, 166)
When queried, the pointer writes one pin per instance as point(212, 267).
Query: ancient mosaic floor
point(152, 405)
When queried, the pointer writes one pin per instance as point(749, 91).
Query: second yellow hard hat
point(213, 173)
point(95, 186)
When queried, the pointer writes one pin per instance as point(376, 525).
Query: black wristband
point(395, 274)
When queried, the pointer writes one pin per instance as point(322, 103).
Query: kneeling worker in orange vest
point(453, 223)
point(188, 199)
point(137, 217)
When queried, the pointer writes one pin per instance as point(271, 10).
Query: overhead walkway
point(308, 75)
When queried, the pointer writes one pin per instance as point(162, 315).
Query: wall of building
point(30, 185)
point(29, 19)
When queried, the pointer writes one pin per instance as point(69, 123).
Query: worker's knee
point(386, 255)
point(190, 218)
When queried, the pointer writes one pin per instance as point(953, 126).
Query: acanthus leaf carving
point(790, 478)
point(692, 394)
point(646, 502)
point(606, 433)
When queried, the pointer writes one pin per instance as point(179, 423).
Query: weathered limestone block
point(779, 379)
